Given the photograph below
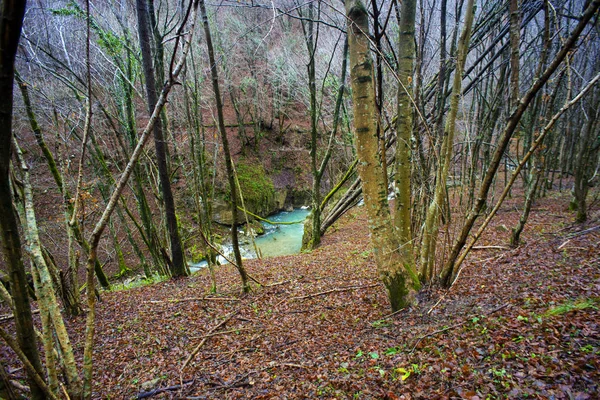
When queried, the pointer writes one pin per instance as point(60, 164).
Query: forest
point(362, 199)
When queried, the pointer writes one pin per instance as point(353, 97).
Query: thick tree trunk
point(404, 128)
point(396, 273)
point(177, 258)
point(11, 20)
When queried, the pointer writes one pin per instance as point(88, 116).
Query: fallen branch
point(292, 365)
point(346, 289)
point(197, 349)
point(282, 282)
point(392, 314)
point(11, 316)
point(240, 381)
point(219, 252)
point(584, 232)
point(191, 299)
point(220, 333)
point(269, 221)
point(154, 392)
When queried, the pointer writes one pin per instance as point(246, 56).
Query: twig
point(191, 299)
point(308, 296)
point(197, 349)
point(154, 392)
point(584, 232)
point(283, 282)
point(220, 333)
point(490, 247)
point(293, 365)
point(438, 302)
point(238, 382)
point(563, 245)
point(11, 316)
point(392, 314)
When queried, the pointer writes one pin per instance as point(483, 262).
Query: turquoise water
point(278, 240)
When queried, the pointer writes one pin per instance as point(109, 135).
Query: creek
point(278, 239)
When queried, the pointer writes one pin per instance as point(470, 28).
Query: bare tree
point(177, 263)
point(11, 21)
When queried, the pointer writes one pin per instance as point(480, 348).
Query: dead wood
point(11, 316)
point(154, 392)
point(197, 349)
point(191, 299)
point(584, 232)
point(221, 333)
point(346, 289)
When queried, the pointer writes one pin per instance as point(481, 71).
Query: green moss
point(257, 188)
point(570, 305)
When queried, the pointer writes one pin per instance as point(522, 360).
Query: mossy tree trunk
point(185, 35)
point(311, 39)
point(404, 128)
point(313, 225)
point(396, 273)
point(11, 21)
point(53, 323)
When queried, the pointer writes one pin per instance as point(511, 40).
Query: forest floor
point(518, 323)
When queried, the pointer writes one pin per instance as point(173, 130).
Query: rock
point(280, 197)
point(222, 213)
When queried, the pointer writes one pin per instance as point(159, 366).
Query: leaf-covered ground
point(518, 323)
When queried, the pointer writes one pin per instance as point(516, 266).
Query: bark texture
point(11, 21)
point(404, 126)
point(396, 274)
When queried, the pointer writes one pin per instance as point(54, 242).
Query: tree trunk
point(396, 273)
point(11, 20)
point(586, 155)
point(515, 39)
point(228, 160)
point(404, 128)
point(49, 306)
point(450, 270)
point(122, 182)
point(431, 229)
point(177, 257)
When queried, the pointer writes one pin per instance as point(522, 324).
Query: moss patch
point(257, 188)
